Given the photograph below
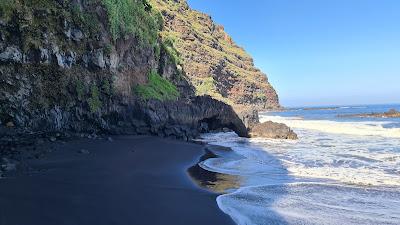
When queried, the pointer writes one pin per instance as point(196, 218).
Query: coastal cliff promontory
point(213, 62)
point(104, 66)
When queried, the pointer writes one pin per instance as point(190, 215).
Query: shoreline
point(215, 182)
point(271, 194)
point(130, 180)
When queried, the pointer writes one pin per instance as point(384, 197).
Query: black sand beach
point(131, 180)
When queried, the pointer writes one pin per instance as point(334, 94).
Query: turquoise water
point(340, 171)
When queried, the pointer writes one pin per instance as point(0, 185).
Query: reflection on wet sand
point(215, 182)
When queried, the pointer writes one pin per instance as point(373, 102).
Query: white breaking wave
point(336, 173)
point(311, 204)
point(342, 158)
point(353, 107)
point(372, 128)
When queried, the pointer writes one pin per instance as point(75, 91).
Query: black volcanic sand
point(130, 180)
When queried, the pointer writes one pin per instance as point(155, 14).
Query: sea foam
point(336, 173)
point(372, 128)
point(305, 203)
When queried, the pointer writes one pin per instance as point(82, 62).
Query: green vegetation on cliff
point(157, 88)
point(6, 8)
point(133, 17)
point(169, 46)
point(94, 100)
point(87, 20)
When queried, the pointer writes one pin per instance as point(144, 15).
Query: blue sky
point(319, 52)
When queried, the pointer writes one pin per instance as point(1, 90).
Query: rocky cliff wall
point(83, 66)
point(213, 62)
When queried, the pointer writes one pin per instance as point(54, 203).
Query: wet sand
point(130, 180)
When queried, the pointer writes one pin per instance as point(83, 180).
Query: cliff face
point(96, 66)
point(59, 60)
point(122, 67)
point(214, 64)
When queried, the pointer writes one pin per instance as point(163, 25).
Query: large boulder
point(273, 130)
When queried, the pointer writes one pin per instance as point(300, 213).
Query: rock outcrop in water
point(273, 130)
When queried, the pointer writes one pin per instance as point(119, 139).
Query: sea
point(341, 170)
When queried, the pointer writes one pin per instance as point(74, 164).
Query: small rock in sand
point(8, 165)
point(53, 139)
point(84, 151)
point(10, 124)
point(226, 130)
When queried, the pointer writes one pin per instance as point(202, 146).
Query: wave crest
point(372, 128)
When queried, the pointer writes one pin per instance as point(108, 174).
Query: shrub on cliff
point(168, 45)
point(94, 100)
point(157, 88)
point(132, 17)
point(6, 8)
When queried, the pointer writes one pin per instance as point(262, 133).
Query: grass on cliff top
point(157, 88)
point(6, 8)
point(133, 17)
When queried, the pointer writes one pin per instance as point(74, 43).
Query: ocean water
point(340, 171)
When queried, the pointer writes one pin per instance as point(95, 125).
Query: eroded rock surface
point(64, 70)
point(273, 130)
point(214, 63)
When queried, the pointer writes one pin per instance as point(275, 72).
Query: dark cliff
point(95, 66)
